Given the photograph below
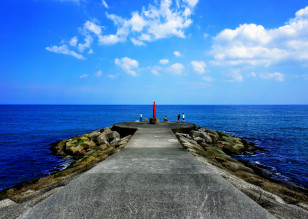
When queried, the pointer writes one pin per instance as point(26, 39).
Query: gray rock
point(112, 135)
point(107, 129)
point(202, 135)
point(6, 202)
point(102, 138)
point(115, 140)
point(93, 135)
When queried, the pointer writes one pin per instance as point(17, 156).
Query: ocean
point(26, 132)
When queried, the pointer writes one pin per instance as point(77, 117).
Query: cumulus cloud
point(73, 41)
point(83, 76)
point(162, 19)
point(98, 74)
point(137, 42)
point(199, 66)
point(156, 21)
point(251, 44)
point(176, 69)
point(104, 3)
point(87, 43)
point(128, 65)
point(177, 53)
point(163, 61)
point(64, 50)
point(273, 76)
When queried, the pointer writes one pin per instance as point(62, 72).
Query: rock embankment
point(216, 149)
point(86, 150)
point(102, 139)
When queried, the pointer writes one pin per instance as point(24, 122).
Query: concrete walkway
point(153, 177)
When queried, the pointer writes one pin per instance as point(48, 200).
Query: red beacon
point(154, 111)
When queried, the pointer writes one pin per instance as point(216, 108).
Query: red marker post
point(154, 111)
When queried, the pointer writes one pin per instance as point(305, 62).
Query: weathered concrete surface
point(153, 177)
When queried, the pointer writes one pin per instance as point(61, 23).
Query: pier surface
point(152, 177)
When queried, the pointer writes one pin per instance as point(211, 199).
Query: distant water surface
point(26, 132)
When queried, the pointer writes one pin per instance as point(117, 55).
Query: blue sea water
point(26, 132)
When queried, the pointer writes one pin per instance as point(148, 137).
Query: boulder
point(88, 144)
point(107, 129)
point(93, 135)
point(202, 135)
point(77, 150)
point(103, 147)
point(112, 135)
point(233, 148)
point(115, 140)
point(102, 139)
point(68, 145)
point(198, 139)
point(214, 137)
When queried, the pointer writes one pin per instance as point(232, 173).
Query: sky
point(140, 51)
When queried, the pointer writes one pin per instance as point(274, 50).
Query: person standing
point(183, 116)
point(140, 117)
point(179, 118)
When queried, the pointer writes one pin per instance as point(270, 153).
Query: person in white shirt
point(183, 116)
point(140, 117)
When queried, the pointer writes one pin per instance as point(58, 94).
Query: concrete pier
point(153, 177)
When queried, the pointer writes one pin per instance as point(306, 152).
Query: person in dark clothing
point(165, 119)
point(179, 117)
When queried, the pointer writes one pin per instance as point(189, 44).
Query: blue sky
point(138, 51)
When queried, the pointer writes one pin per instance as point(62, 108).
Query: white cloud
point(128, 65)
point(176, 69)
point(236, 77)
point(251, 44)
point(199, 66)
point(205, 35)
point(110, 39)
point(154, 22)
point(137, 22)
point(64, 50)
point(93, 27)
point(162, 19)
point(207, 78)
point(177, 53)
point(73, 41)
point(163, 61)
point(137, 42)
point(105, 4)
point(192, 3)
point(83, 76)
point(88, 41)
point(274, 76)
point(98, 74)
